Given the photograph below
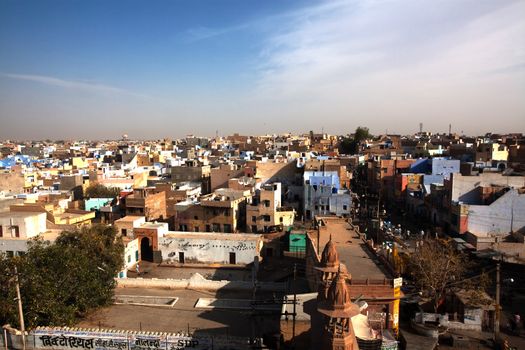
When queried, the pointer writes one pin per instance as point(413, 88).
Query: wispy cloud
point(203, 33)
point(262, 24)
point(73, 84)
point(370, 58)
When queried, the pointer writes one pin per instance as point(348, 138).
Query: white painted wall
point(14, 245)
point(505, 214)
point(205, 248)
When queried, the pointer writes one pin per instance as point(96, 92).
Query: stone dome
point(338, 302)
point(330, 257)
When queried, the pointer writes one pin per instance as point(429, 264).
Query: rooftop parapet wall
point(197, 282)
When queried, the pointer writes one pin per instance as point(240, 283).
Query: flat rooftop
point(19, 214)
point(359, 261)
point(129, 218)
point(182, 315)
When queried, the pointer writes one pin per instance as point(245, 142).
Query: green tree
point(61, 282)
point(361, 133)
point(349, 145)
point(100, 191)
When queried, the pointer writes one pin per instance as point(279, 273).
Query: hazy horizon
point(99, 69)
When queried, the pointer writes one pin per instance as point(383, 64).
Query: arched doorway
point(146, 249)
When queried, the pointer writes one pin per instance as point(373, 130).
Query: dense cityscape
point(264, 241)
point(252, 175)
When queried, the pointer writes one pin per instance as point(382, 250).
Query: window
point(267, 203)
point(227, 228)
point(17, 230)
point(208, 228)
point(196, 229)
point(345, 207)
point(9, 253)
point(266, 217)
point(216, 227)
point(254, 218)
point(129, 258)
point(124, 233)
point(281, 219)
point(1, 231)
point(254, 228)
point(195, 217)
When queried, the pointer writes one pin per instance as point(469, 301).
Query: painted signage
point(67, 340)
point(398, 282)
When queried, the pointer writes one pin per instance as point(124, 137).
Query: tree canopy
point(361, 133)
point(433, 267)
point(60, 282)
point(100, 191)
point(350, 145)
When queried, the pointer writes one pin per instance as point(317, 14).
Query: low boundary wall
point(197, 282)
point(65, 338)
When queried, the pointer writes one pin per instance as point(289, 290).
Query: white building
point(17, 227)
point(210, 248)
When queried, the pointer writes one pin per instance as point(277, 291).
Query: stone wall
point(197, 282)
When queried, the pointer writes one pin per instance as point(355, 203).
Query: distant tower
point(450, 129)
point(125, 137)
point(420, 128)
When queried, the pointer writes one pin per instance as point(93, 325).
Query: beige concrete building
point(192, 171)
point(265, 213)
point(221, 175)
point(145, 201)
point(222, 211)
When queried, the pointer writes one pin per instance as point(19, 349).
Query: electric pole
point(294, 300)
point(497, 309)
point(20, 310)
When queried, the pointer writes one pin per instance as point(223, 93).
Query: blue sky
point(97, 69)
